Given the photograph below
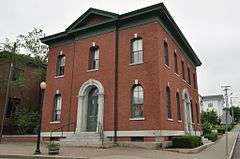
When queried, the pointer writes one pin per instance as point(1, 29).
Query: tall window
point(12, 105)
point(183, 70)
point(189, 76)
point(57, 107)
point(194, 81)
point(168, 103)
point(17, 74)
point(94, 58)
point(137, 101)
point(60, 65)
point(192, 111)
point(137, 50)
point(175, 63)
point(178, 107)
point(197, 113)
point(165, 54)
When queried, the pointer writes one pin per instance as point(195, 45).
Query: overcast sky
point(211, 27)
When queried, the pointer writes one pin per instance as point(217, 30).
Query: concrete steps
point(86, 139)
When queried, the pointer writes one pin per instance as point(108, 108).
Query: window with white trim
point(175, 63)
point(178, 106)
point(57, 107)
point(137, 50)
point(137, 102)
point(94, 58)
point(165, 54)
point(60, 65)
point(168, 103)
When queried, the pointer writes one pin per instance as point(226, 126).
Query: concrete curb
point(191, 151)
point(22, 156)
point(231, 152)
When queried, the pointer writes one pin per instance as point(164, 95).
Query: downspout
point(115, 108)
point(70, 105)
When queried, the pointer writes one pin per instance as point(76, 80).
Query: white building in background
point(212, 102)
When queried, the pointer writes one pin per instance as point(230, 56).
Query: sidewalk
point(216, 151)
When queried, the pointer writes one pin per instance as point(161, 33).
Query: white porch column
point(100, 110)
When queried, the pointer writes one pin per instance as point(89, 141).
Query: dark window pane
point(189, 76)
point(17, 73)
point(194, 81)
point(168, 103)
point(192, 111)
point(137, 139)
point(165, 52)
point(175, 63)
point(178, 107)
point(183, 70)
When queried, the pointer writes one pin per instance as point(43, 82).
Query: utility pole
point(225, 89)
point(8, 88)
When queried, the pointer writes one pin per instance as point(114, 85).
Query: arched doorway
point(187, 111)
point(92, 110)
point(90, 107)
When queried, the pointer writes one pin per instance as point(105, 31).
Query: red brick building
point(130, 77)
point(24, 89)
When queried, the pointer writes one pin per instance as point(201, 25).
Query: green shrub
point(221, 130)
point(230, 127)
point(26, 120)
point(207, 128)
point(212, 136)
point(187, 141)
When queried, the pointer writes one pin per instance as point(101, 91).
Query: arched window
point(137, 50)
point(57, 107)
point(60, 65)
point(168, 103)
point(189, 76)
point(165, 54)
point(93, 58)
point(175, 63)
point(192, 111)
point(178, 106)
point(197, 113)
point(183, 70)
point(194, 81)
point(137, 101)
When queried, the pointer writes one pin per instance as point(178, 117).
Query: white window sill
point(168, 67)
point(59, 76)
point(92, 70)
point(137, 63)
point(136, 119)
point(180, 121)
point(55, 122)
point(176, 74)
point(187, 83)
point(170, 119)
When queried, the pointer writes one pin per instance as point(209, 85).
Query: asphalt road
point(236, 151)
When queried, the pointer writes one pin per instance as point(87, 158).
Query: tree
point(236, 112)
point(10, 46)
point(210, 117)
point(32, 44)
